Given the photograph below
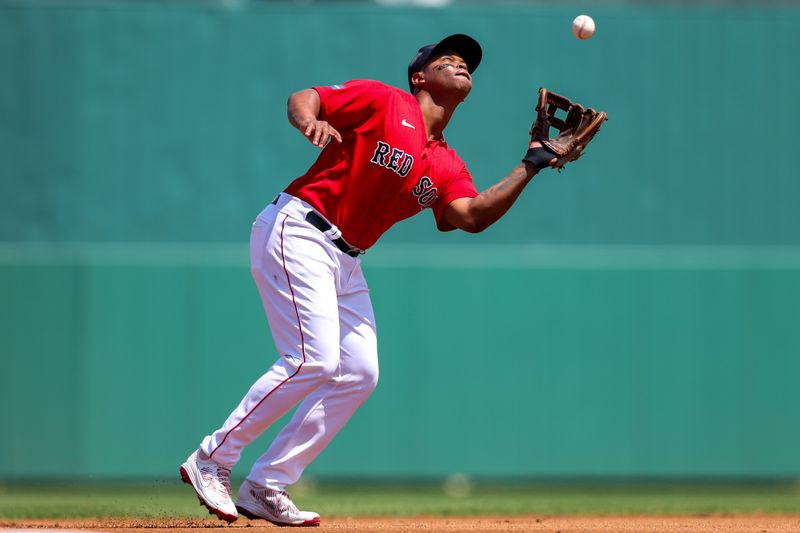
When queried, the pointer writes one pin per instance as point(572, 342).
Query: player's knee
point(371, 376)
point(366, 375)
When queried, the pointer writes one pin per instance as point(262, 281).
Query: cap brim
point(467, 47)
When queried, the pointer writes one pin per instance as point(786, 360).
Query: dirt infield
point(560, 524)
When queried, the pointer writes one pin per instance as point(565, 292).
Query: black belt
point(321, 224)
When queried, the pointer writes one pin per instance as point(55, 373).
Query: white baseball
point(583, 26)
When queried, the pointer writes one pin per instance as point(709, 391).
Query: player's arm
point(476, 214)
point(303, 110)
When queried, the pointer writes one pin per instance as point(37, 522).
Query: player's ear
point(418, 79)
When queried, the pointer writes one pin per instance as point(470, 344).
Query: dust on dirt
point(450, 524)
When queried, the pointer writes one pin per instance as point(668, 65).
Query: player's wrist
point(538, 157)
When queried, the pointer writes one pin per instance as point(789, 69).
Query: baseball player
point(384, 158)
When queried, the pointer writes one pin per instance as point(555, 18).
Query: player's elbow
point(307, 99)
point(295, 97)
point(302, 107)
point(472, 225)
point(465, 215)
point(292, 103)
point(471, 228)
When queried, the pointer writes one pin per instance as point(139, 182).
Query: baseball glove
point(575, 130)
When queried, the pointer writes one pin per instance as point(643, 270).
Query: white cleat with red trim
point(212, 483)
point(272, 505)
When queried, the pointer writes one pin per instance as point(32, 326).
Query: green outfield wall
point(634, 316)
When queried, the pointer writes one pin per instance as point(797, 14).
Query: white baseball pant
point(320, 314)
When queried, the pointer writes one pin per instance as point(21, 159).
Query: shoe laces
point(277, 499)
point(220, 477)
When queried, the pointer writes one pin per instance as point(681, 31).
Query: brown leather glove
point(575, 130)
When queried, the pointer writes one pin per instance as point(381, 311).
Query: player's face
point(448, 71)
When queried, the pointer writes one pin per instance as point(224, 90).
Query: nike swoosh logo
point(205, 479)
point(407, 125)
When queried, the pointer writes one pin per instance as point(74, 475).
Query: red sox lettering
point(401, 163)
point(425, 192)
point(398, 161)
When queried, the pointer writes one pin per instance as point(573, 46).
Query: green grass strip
point(169, 500)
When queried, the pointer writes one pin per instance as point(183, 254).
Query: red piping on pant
point(302, 348)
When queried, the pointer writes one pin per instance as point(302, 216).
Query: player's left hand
point(319, 132)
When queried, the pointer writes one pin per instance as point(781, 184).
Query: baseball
point(583, 26)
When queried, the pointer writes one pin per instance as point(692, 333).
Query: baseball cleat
point(212, 483)
point(272, 505)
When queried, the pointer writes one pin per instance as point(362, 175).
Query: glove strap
point(539, 157)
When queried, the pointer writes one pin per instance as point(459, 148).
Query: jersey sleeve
point(461, 186)
point(347, 104)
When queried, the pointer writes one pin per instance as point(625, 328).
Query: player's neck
point(436, 112)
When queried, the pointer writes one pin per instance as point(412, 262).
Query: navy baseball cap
point(467, 47)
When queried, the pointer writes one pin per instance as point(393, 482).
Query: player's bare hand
point(319, 132)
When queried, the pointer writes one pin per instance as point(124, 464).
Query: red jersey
point(385, 169)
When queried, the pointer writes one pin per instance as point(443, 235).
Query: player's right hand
point(319, 132)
